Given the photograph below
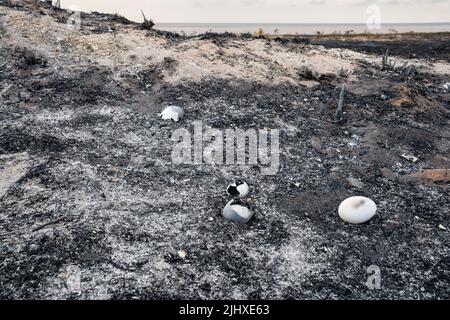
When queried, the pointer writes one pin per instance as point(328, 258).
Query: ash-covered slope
point(93, 207)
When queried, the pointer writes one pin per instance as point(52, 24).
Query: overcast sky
point(271, 11)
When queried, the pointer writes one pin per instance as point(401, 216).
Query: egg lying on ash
point(357, 210)
point(237, 212)
point(238, 190)
point(174, 113)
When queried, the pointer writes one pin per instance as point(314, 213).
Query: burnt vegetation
point(87, 179)
point(148, 24)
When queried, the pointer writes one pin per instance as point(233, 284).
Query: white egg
point(238, 190)
point(236, 211)
point(357, 210)
point(172, 113)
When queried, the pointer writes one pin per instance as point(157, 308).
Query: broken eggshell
point(409, 157)
point(357, 210)
point(447, 86)
point(174, 113)
point(238, 190)
point(237, 212)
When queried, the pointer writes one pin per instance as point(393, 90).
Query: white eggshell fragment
point(237, 212)
point(172, 113)
point(357, 210)
point(238, 190)
point(182, 254)
point(447, 86)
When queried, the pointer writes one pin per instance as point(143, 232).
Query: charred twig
point(392, 66)
point(386, 63)
point(384, 59)
point(343, 72)
point(48, 224)
point(148, 24)
point(403, 67)
point(340, 109)
point(56, 5)
point(36, 228)
point(411, 69)
point(116, 265)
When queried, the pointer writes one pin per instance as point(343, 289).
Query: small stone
point(174, 113)
point(355, 183)
point(237, 212)
point(238, 190)
point(182, 254)
point(442, 227)
point(357, 210)
point(34, 248)
point(310, 84)
point(316, 144)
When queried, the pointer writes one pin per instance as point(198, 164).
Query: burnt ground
point(87, 183)
point(437, 48)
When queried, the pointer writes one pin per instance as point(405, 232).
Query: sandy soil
point(93, 208)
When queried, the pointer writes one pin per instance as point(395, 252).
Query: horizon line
point(312, 23)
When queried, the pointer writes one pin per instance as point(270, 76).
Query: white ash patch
point(297, 256)
point(12, 168)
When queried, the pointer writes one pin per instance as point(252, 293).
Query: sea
point(302, 28)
